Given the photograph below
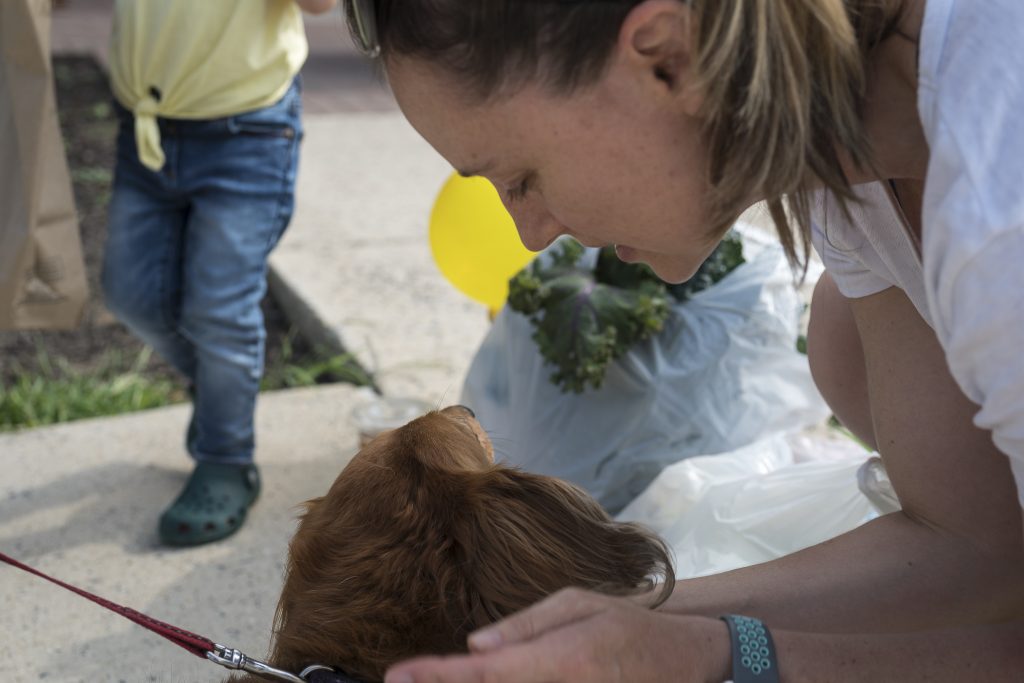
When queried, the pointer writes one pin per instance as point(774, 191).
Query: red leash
point(197, 645)
point(201, 647)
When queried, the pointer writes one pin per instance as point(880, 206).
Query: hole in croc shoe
point(209, 526)
point(184, 528)
point(232, 521)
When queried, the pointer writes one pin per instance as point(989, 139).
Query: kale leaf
point(584, 319)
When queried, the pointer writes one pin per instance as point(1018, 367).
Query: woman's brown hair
point(784, 80)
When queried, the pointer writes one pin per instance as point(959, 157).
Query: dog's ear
point(438, 443)
point(526, 536)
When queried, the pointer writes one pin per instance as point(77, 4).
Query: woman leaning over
point(893, 130)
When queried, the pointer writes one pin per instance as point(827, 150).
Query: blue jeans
point(186, 257)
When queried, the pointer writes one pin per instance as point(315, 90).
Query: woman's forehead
point(456, 126)
point(474, 135)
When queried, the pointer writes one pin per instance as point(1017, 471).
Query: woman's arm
point(954, 555)
point(580, 636)
point(975, 653)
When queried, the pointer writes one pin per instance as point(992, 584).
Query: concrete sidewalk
point(355, 267)
point(81, 501)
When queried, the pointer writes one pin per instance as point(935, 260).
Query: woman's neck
point(891, 118)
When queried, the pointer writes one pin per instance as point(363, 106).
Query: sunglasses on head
point(362, 24)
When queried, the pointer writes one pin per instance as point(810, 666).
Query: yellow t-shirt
point(201, 59)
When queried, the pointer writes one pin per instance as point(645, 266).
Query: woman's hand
point(576, 635)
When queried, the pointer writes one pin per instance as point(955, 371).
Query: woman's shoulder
point(958, 36)
point(865, 247)
point(971, 76)
point(970, 99)
point(865, 219)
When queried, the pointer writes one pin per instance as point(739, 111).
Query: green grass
point(94, 175)
point(290, 372)
point(56, 392)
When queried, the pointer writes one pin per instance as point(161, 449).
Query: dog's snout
point(467, 409)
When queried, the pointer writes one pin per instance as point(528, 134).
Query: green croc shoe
point(213, 505)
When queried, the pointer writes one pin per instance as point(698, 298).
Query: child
point(210, 108)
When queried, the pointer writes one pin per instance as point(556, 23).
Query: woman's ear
point(657, 42)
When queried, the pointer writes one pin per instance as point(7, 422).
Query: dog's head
point(423, 538)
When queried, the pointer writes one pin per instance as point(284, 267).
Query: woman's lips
point(587, 242)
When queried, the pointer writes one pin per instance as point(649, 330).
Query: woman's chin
point(666, 268)
point(671, 273)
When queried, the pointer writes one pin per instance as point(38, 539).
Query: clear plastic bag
point(766, 500)
point(723, 373)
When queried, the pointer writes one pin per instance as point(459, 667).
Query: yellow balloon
point(474, 240)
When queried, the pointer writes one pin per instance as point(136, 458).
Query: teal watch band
point(753, 653)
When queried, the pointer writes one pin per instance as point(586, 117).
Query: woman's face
point(618, 162)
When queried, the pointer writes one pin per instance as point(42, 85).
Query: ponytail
point(784, 84)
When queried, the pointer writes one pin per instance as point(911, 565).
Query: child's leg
point(142, 260)
point(242, 188)
point(239, 174)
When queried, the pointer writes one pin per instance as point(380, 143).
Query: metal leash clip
point(231, 658)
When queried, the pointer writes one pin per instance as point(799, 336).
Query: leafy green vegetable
point(584, 319)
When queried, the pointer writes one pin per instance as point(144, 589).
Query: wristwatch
point(753, 652)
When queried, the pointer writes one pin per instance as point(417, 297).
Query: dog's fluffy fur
point(422, 539)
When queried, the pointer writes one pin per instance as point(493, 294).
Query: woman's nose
point(537, 228)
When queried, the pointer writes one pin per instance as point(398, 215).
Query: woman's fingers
point(548, 643)
point(564, 607)
point(515, 664)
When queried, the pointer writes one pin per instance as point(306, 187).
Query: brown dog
point(422, 539)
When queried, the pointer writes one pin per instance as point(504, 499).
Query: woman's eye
point(519, 191)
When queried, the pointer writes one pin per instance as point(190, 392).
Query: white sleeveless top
point(968, 281)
